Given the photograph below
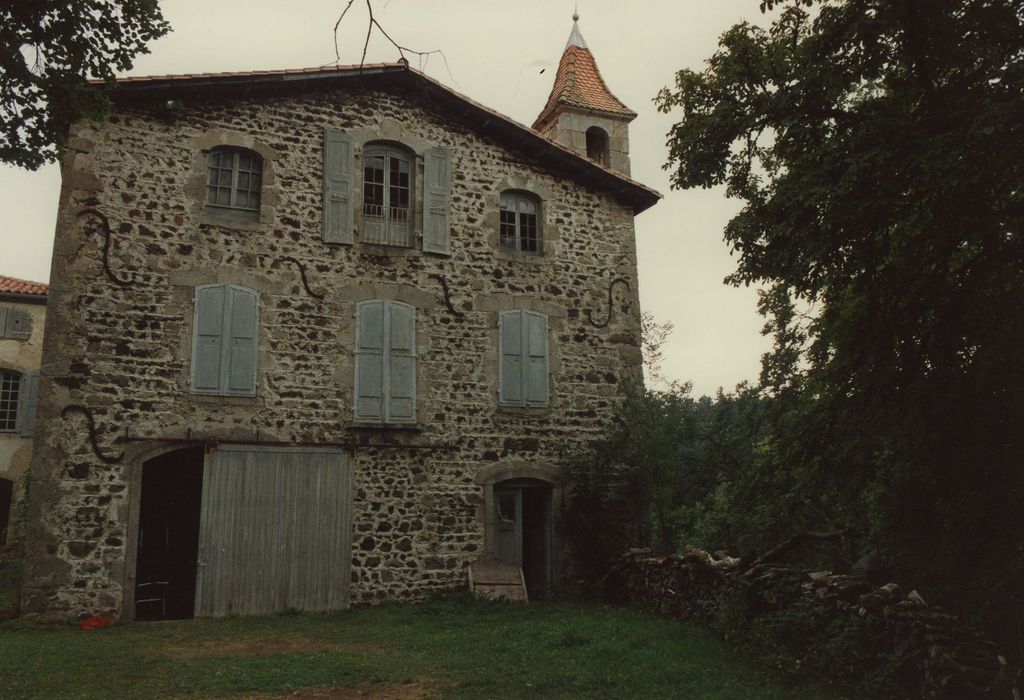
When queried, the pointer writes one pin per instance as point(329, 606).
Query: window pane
point(528, 233)
point(508, 230)
point(10, 384)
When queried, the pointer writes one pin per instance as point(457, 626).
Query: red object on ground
point(95, 623)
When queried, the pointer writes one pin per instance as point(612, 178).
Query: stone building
point(320, 337)
point(22, 314)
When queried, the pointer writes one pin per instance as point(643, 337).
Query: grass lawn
point(453, 648)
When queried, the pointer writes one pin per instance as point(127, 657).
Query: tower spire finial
point(576, 12)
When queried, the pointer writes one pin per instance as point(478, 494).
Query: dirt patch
point(416, 690)
point(265, 646)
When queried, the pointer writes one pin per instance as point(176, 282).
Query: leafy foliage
point(47, 53)
point(878, 146)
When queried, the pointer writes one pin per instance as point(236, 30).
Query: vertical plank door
point(275, 531)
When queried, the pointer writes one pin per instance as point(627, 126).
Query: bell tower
point(581, 112)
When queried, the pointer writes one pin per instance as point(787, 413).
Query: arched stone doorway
point(521, 504)
point(168, 535)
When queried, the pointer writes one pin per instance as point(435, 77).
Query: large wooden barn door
point(275, 531)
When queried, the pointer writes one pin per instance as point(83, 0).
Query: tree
point(48, 52)
point(878, 146)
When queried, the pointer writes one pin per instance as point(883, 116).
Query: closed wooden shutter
point(369, 361)
point(242, 332)
point(535, 358)
point(510, 340)
point(401, 363)
point(437, 195)
point(339, 165)
point(207, 339)
point(523, 372)
point(29, 401)
point(15, 324)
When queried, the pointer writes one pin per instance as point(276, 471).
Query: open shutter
point(3, 322)
point(29, 401)
point(401, 363)
point(370, 361)
point(535, 355)
point(437, 196)
point(510, 377)
point(207, 340)
point(339, 164)
point(242, 333)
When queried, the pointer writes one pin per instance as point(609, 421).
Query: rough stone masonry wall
point(122, 350)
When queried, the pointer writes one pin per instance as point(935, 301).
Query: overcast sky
point(496, 52)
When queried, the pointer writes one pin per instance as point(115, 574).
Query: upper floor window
point(233, 183)
point(523, 368)
point(224, 340)
point(385, 362)
point(519, 222)
point(387, 196)
point(15, 324)
point(10, 394)
point(597, 145)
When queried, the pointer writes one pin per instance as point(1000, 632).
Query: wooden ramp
point(496, 580)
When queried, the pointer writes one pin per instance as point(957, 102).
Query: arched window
point(10, 395)
point(520, 222)
point(387, 195)
point(597, 145)
point(233, 183)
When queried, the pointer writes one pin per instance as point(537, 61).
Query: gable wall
point(123, 350)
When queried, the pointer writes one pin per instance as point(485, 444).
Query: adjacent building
point(22, 316)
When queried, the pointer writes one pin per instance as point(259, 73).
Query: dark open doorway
point(523, 530)
point(165, 583)
point(6, 501)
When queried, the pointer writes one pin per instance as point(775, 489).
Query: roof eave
point(23, 298)
point(638, 196)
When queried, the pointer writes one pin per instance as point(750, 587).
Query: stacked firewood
point(934, 654)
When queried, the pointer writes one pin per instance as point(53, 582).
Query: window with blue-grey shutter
point(29, 401)
point(385, 383)
point(437, 196)
point(523, 366)
point(224, 340)
point(15, 324)
point(339, 165)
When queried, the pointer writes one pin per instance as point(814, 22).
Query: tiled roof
point(13, 285)
point(578, 83)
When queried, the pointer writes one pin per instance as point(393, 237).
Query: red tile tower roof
point(13, 285)
point(578, 83)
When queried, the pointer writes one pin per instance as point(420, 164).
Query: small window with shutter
point(523, 367)
point(15, 324)
point(225, 337)
point(385, 382)
point(387, 196)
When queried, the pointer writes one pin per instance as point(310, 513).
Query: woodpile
point(932, 654)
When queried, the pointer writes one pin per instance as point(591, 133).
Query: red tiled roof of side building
point(13, 285)
point(578, 83)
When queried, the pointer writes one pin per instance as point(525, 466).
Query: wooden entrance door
point(508, 536)
point(275, 531)
point(522, 531)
